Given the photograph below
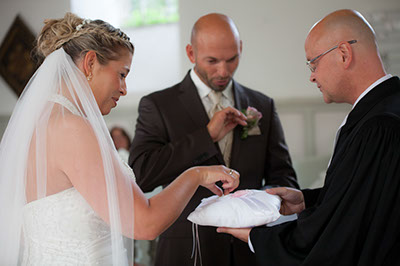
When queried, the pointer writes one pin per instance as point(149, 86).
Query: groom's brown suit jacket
point(171, 136)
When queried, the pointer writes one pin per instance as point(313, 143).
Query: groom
point(183, 126)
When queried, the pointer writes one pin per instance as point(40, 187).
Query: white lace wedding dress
point(62, 229)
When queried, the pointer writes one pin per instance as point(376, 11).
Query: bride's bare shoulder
point(70, 127)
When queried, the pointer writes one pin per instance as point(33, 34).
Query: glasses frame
point(312, 68)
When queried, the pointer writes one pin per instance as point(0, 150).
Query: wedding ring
point(231, 172)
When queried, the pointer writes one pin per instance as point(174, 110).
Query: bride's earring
point(89, 77)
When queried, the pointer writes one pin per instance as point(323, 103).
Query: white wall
point(33, 14)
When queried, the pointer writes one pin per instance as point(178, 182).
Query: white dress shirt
point(204, 90)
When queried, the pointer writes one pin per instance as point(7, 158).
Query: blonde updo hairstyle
point(78, 36)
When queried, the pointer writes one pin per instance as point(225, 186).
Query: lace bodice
point(62, 229)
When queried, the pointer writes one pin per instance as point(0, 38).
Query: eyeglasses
point(312, 68)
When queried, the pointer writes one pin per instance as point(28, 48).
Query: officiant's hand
point(209, 175)
point(292, 199)
point(239, 233)
point(224, 121)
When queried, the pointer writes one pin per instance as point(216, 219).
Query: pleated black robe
point(354, 219)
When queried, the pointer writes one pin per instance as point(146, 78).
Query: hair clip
point(85, 21)
point(122, 35)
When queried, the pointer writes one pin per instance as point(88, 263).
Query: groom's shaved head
point(215, 50)
point(212, 26)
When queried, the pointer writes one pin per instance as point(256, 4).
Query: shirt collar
point(204, 90)
point(373, 85)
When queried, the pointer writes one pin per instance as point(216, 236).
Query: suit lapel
point(241, 102)
point(241, 98)
point(193, 106)
point(191, 102)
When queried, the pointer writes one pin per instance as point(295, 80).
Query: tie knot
point(215, 96)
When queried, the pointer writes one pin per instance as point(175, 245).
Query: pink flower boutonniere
point(253, 116)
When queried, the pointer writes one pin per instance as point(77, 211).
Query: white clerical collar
point(204, 90)
point(373, 85)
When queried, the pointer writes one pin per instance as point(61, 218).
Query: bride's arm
point(155, 215)
point(81, 161)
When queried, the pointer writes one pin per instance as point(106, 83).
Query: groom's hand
point(224, 121)
point(239, 233)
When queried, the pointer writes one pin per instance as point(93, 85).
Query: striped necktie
point(225, 144)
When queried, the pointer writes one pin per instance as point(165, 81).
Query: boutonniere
point(253, 116)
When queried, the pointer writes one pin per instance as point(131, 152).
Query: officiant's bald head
point(343, 56)
point(215, 50)
point(344, 24)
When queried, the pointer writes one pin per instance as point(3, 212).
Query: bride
point(65, 196)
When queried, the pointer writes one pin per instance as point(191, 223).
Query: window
point(156, 63)
point(150, 12)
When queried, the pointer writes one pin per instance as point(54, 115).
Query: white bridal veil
point(25, 149)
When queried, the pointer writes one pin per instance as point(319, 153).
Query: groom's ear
point(88, 62)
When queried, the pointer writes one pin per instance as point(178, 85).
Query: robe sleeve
point(355, 220)
point(310, 196)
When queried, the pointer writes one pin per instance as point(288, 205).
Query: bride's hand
point(209, 175)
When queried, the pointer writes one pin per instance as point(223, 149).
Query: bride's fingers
point(228, 177)
point(230, 186)
point(233, 173)
point(227, 191)
point(230, 189)
point(215, 189)
point(229, 183)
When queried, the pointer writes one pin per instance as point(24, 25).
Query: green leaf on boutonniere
point(253, 116)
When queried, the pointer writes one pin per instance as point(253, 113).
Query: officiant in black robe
point(354, 219)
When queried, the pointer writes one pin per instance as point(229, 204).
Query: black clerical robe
point(354, 219)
